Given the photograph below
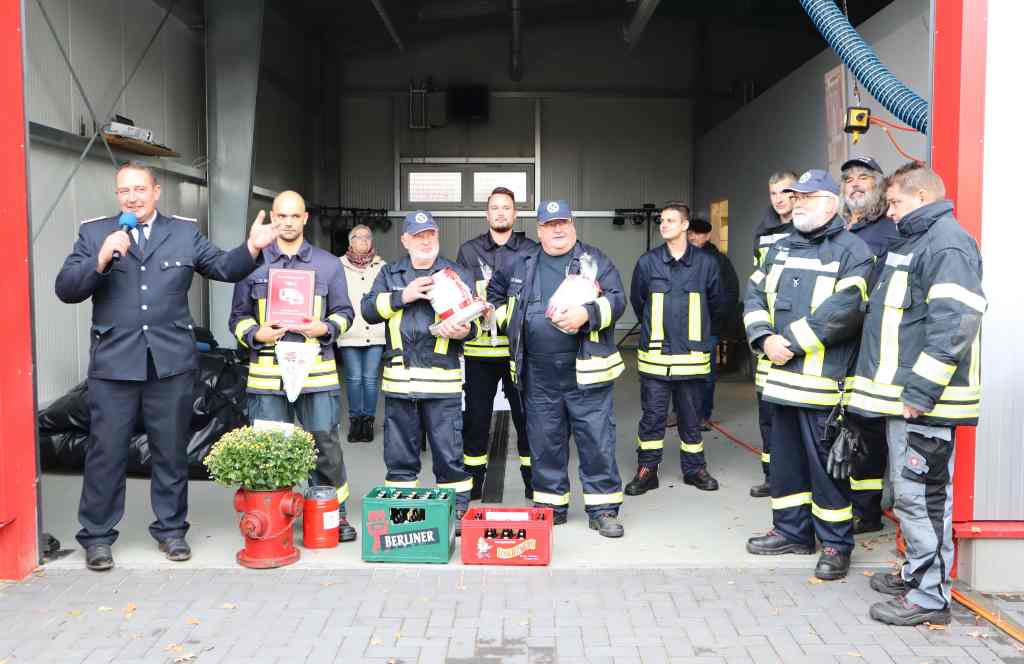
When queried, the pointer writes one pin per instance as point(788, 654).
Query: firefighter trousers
point(921, 471)
point(405, 423)
point(482, 378)
point(866, 479)
point(764, 422)
point(654, 400)
point(806, 501)
point(556, 406)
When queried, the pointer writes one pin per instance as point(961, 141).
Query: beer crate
point(400, 528)
point(507, 536)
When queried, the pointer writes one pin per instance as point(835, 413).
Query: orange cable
point(892, 125)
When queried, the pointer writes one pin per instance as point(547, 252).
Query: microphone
point(127, 222)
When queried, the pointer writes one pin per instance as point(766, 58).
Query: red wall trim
point(957, 149)
point(989, 530)
point(19, 539)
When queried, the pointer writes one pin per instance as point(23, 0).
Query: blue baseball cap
point(419, 221)
point(552, 211)
point(814, 180)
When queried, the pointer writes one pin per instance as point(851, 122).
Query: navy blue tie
point(142, 238)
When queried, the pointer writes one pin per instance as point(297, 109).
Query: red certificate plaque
point(290, 296)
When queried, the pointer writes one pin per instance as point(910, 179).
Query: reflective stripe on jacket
point(812, 295)
point(921, 341)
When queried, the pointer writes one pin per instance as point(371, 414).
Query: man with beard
point(316, 407)
point(805, 314)
point(774, 226)
point(677, 296)
point(864, 212)
point(487, 359)
point(565, 366)
point(728, 325)
point(422, 377)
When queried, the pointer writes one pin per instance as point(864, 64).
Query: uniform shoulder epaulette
point(192, 219)
point(86, 221)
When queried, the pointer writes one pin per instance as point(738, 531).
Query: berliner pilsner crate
point(403, 525)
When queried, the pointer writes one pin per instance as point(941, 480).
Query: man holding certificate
point(289, 312)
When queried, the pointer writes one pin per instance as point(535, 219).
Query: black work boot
point(775, 544)
point(899, 611)
point(354, 429)
point(701, 479)
point(889, 584)
point(607, 525)
point(761, 490)
point(366, 434)
point(99, 558)
point(862, 525)
point(346, 533)
point(832, 564)
point(646, 479)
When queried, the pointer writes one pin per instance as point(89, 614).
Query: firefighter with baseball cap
point(565, 365)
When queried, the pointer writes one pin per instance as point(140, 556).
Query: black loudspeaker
point(469, 103)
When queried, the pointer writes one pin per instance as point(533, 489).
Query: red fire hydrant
point(266, 524)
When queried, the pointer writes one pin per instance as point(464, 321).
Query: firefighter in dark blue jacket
point(422, 376)
point(316, 407)
point(805, 315)
point(142, 356)
point(676, 293)
point(864, 210)
point(487, 362)
point(565, 366)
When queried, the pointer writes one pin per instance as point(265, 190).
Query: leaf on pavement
point(228, 605)
point(174, 647)
point(815, 581)
point(192, 621)
point(868, 573)
point(936, 628)
point(75, 612)
point(105, 609)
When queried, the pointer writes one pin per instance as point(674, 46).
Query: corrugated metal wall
point(104, 39)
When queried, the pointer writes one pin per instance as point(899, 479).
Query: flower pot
point(266, 523)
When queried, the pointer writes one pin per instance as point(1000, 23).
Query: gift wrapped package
point(575, 290)
point(453, 300)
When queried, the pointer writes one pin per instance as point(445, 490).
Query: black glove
point(838, 462)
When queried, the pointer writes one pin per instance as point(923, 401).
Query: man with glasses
point(805, 315)
point(487, 359)
point(142, 355)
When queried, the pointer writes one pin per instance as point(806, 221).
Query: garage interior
point(610, 104)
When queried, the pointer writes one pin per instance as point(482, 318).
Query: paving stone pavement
point(428, 614)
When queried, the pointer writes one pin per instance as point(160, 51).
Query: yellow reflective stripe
point(425, 380)
point(441, 346)
point(974, 370)
point(343, 493)
point(459, 487)
point(500, 314)
point(655, 357)
point(599, 369)
point(958, 293)
point(875, 405)
point(961, 393)
point(881, 389)
point(318, 307)
point(813, 264)
point(695, 318)
point(650, 444)
point(550, 498)
point(674, 370)
point(657, 316)
point(474, 460)
point(854, 282)
point(774, 274)
point(511, 304)
point(481, 289)
point(691, 448)
point(952, 411)
point(757, 277)
point(929, 368)
point(771, 307)
point(599, 498)
point(258, 383)
point(832, 516)
point(604, 307)
point(897, 291)
point(340, 321)
point(823, 287)
point(798, 396)
point(485, 351)
point(765, 457)
point(874, 484)
point(261, 309)
point(889, 347)
point(759, 316)
point(402, 484)
point(395, 329)
point(485, 340)
point(525, 461)
point(244, 326)
point(814, 350)
point(594, 336)
point(327, 380)
point(792, 500)
point(383, 303)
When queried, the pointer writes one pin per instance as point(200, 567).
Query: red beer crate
point(507, 536)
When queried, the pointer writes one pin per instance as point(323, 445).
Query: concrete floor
point(674, 526)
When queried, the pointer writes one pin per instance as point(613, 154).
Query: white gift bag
point(295, 358)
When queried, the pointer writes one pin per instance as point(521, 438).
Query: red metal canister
point(320, 518)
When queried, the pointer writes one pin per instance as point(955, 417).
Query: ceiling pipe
point(379, 6)
point(632, 32)
point(515, 63)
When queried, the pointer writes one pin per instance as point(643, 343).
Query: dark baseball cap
point(700, 226)
point(553, 211)
point(419, 221)
point(863, 161)
point(814, 180)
